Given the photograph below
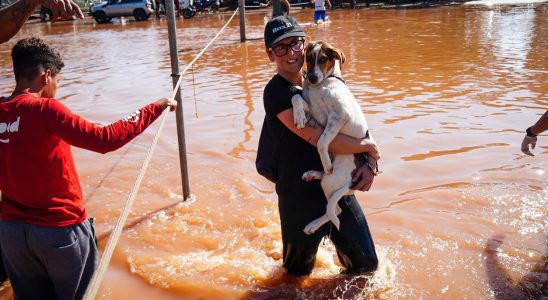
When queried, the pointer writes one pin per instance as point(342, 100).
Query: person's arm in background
point(286, 6)
point(531, 134)
point(14, 16)
point(267, 4)
point(327, 4)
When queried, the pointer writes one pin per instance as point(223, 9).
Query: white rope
point(93, 287)
point(200, 54)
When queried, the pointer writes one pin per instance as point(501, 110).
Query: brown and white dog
point(329, 102)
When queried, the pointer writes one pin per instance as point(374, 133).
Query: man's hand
point(168, 102)
point(363, 177)
point(372, 149)
point(63, 9)
point(528, 140)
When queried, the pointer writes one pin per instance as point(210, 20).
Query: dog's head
point(322, 60)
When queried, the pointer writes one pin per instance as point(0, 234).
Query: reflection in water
point(450, 152)
point(447, 92)
point(249, 104)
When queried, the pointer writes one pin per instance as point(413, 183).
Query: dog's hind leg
point(333, 208)
point(316, 224)
point(332, 211)
point(311, 175)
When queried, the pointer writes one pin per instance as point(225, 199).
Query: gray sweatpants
point(49, 262)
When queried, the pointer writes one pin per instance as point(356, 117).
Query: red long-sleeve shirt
point(38, 179)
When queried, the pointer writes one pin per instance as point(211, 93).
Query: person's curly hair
point(31, 56)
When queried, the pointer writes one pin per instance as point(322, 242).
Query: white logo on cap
point(286, 25)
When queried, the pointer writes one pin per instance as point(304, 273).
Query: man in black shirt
point(301, 202)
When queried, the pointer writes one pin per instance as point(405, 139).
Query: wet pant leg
point(3, 273)
point(299, 249)
point(354, 244)
point(49, 263)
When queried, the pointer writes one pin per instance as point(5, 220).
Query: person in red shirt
point(48, 244)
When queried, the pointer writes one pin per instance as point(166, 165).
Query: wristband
point(374, 171)
point(530, 133)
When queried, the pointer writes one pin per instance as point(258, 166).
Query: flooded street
point(448, 93)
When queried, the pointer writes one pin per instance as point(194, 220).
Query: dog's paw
point(299, 117)
point(311, 228)
point(311, 175)
point(329, 170)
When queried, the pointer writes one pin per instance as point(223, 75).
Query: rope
point(200, 54)
point(93, 287)
point(194, 89)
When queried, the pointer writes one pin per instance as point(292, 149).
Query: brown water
point(447, 92)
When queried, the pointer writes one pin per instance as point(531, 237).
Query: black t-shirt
point(296, 156)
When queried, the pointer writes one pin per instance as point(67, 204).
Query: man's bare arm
point(342, 144)
point(285, 5)
point(14, 16)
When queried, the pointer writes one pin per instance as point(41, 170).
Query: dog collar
point(339, 78)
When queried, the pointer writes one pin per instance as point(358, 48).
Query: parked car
point(250, 4)
point(106, 10)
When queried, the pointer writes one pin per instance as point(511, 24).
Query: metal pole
point(174, 54)
point(241, 7)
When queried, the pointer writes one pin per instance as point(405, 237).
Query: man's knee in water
point(299, 258)
point(368, 265)
point(298, 268)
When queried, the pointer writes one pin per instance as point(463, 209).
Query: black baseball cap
point(279, 28)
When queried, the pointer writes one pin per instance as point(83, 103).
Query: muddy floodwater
point(458, 212)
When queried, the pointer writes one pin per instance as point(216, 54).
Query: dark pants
point(49, 262)
point(353, 241)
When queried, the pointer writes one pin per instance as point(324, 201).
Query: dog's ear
point(339, 54)
point(309, 48)
point(334, 52)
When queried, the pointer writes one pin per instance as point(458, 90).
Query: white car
point(103, 12)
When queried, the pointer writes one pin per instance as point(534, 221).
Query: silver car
point(103, 12)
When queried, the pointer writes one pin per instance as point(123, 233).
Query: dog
point(329, 101)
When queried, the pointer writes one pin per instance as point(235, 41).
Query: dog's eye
point(322, 59)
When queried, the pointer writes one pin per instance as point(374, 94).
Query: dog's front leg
point(335, 123)
point(300, 108)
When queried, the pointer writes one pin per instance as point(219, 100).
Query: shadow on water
point(342, 286)
point(534, 285)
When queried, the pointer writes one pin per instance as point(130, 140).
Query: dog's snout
point(312, 78)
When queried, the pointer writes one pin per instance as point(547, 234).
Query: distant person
point(531, 134)
point(13, 17)
point(157, 4)
point(48, 244)
point(45, 14)
point(279, 7)
point(319, 10)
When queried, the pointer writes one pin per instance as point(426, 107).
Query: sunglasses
point(281, 50)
